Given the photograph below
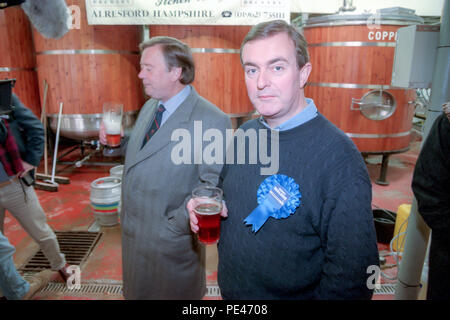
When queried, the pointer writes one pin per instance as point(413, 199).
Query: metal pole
point(410, 268)
point(440, 90)
point(348, 6)
point(52, 180)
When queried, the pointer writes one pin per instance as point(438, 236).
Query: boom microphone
point(49, 17)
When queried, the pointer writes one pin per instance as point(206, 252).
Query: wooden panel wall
point(17, 54)
point(83, 82)
point(219, 77)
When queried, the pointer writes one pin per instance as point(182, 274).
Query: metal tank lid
point(385, 16)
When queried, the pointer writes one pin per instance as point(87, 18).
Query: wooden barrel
point(88, 67)
point(351, 77)
point(219, 76)
point(17, 58)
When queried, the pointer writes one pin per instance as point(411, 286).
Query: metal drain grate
point(116, 289)
point(212, 291)
point(385, 289)
point(86, 288)
point(104, 288)
point(75, 245)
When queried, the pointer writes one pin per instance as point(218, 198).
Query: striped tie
point(155, 124)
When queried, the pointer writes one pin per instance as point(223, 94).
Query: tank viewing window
point(376, 105)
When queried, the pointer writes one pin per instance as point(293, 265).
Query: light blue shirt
point(310, 112)
point(173, 103)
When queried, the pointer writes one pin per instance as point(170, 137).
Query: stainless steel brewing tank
point(387, 16)
point(86, 126)
point(352, 56)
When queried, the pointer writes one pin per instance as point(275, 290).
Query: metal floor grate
point(75, 245)
point(104, 288)
point(86, 288)
point(117, 289)
point(212, 291)
point(385, 289)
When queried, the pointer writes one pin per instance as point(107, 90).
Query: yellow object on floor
point(400, 226)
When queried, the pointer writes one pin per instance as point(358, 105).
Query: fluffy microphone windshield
point(49, 17)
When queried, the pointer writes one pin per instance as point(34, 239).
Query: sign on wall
point(189, 12)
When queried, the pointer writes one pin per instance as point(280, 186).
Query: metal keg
point(105, 200)
point(116, 171)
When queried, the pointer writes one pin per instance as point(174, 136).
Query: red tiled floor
point(69, 209)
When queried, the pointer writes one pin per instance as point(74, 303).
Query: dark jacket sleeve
point(431, 179)
point(28, 131)
point(347, 230)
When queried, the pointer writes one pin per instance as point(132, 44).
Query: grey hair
point(176, 54)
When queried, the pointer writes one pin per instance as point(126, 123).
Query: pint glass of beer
point(112, 119)
point(207, 208)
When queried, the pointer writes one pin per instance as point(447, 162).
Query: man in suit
point(161, 256)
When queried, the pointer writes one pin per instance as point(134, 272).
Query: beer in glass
point(112, 119)
point(207, 208)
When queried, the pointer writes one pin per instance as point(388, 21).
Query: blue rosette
point(278, 197)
